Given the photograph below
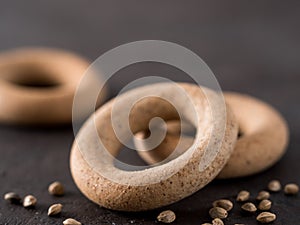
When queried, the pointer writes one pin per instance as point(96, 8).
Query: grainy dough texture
point(99, 180)
point(262, 142)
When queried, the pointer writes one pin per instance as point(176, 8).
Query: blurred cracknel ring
point(37, 85)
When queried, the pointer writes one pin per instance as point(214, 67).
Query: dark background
point(251, 46)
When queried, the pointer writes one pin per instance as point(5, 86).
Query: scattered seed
point(217, 221)
point(54, 209)
point(243, 196)
point(71, 221)
point(274, 186)
point(263, 195)
point(29, 201)
point(218, 212)
point(56, 188)
point(206, 224)
point(291, 189)
point(167, 216)
point(223, 203)
point(249, 207)
point(266, 217)
point(12, 198)
point(265, 205)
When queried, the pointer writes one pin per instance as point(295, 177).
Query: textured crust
point(154, 187)
point(25, 105)
point(263, 141)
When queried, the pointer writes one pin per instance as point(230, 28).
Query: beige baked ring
point(21, 69)
point(262, 142)
point(99, 180)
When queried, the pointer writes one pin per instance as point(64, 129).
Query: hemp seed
point(218, 212)
point(263, 195)
point(217, 221)
point(274, 186)
point(266, 217)
point(71, 221)
point(54, 209)
point(12, 197)
point(249, 207)
point(265, 205)
point(243, 196)
point(223, 203)
point(167, 216)
point(291, 189)
point(29, 201)
point(56, 188)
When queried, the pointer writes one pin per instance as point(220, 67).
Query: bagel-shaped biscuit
point(263, 138)
point(37, 85)
point(92, 155)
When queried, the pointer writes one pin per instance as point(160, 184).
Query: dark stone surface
point(252, 47)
